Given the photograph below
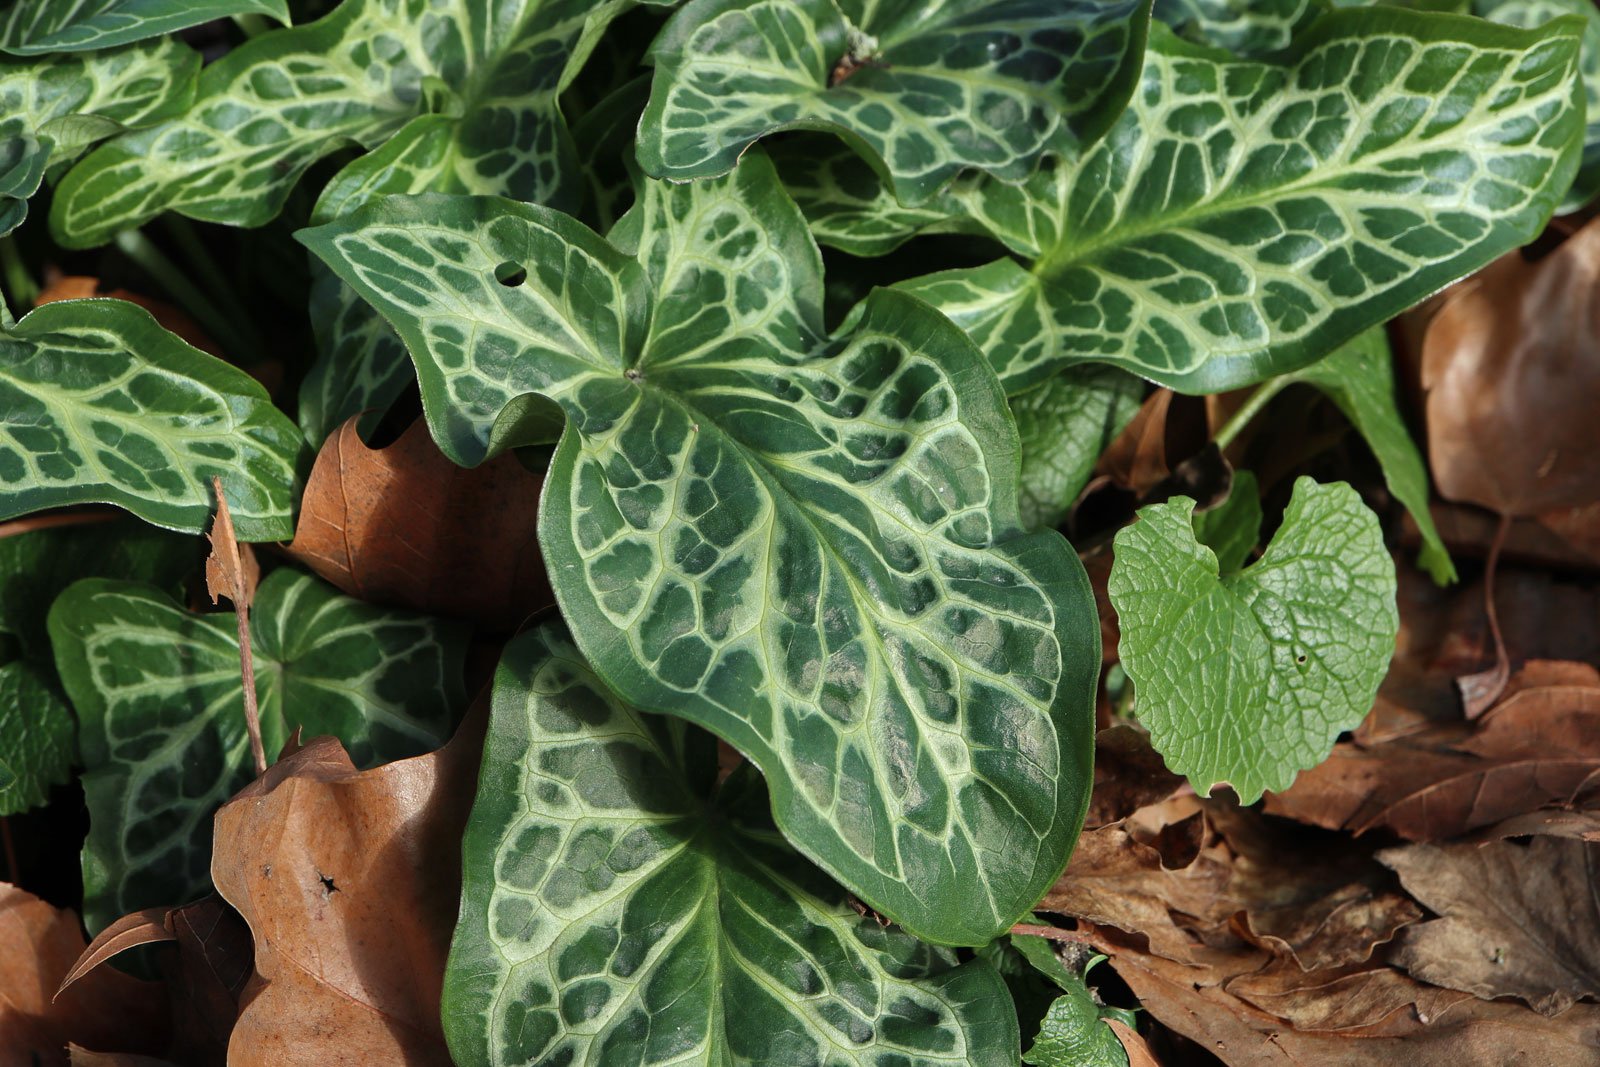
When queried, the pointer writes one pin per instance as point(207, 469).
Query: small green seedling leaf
point(1247, 678)
point(1072, 1032)
point(37, 26)
point(1359, 378)
point(162, 732)
point(1064, 425)
point(619, 906)
point(37, 732)
point(925, 89)
point(807, 544)
point(102, 405)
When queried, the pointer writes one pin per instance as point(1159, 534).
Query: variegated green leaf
point(36, 737)
point(52, 108)
point(806, 544)
point(1247, 678)
point(1064, 425)
point(1242, 219)
point(1531, 13)
point(619, 907)
point(361, 363)
point(1247, 28)
point(1359, 378)
point(458, 97)
point(39, 26)
point(100, 404)
point(161, 710)
point(926, 87)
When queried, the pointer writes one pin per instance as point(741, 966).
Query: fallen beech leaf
point(82, 1057)
point(140, 928)
point(1139, 1054)
point(1516, 920)
point(1128, 775)
point(1471, 1033)
point(349, 882)
point(107, 1009)
point(1509, 370)
point(1137, 458)
point(403, 526)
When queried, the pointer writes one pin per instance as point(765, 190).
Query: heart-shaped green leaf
point(1064, 425)
point(36, 737)
point(51, 109)
point(461, 97)
point(1246, 28)
point(161, 711)
point(1248, 678)
point(925, 88)
point(1072, 1032)
point(38, 26)
point(618, 906)
point(807, 545)
point(1531, 13)
point(103, 405)
point(1242, 219)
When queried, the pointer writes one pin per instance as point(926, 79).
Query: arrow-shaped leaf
point(1241, 219)
point(1243, 27)
point(925, 89)
point(804, 544)
point(162, 731)
point(461, 98)
point(52, 108)
point(1064, 425)
point(40, 26)
point(618, 906)
point(100, 404)
point(1247, 678)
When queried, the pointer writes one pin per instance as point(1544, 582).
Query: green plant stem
point(252, 25)
point(139, 248)
point(1252, 407)
point(206, 268)
point(24, 289)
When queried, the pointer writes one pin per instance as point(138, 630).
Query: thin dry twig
point(1480, 691)
point(232, 572)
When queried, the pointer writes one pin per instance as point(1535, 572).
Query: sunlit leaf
point(619, 906)
point(103, 405)
point(1247, 678)
point(39, 26)
point(926, 88)
point(808, 545)
point(162, 730)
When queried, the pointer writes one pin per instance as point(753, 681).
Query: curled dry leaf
point(404, 526)
point(349, 882)
point(107, 1010)
point(1509, 367)
point(232, 572)
point(1516, 919)
point(1138, 1050)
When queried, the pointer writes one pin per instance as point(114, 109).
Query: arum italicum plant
point(829, 540)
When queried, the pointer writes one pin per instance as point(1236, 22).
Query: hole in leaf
point(511, 274)
point(1301, 658)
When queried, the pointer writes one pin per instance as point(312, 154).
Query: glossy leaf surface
point(52, 108)
point(1242, 219)
point(619, 907)
point(162, 734)
point(1247, 678)
point(926, 88)
point(1531, 13)
point(808, 545)
point(1247, 28)
point(1064, 425)
point(457, 97)
point(103, 405)
point(39, 26)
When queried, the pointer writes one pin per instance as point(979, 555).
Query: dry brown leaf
point(1471, 1033)
point(348, 883)
point(1128, 775)
point(140, 928)
point(82, 1057)
point(1510, 375)
point(1137, 458)
point(1517, 920)
point(1138, 1050)
point(106, 1010)
point(232, 572)
point(1360, 1001)
point(404, 526)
